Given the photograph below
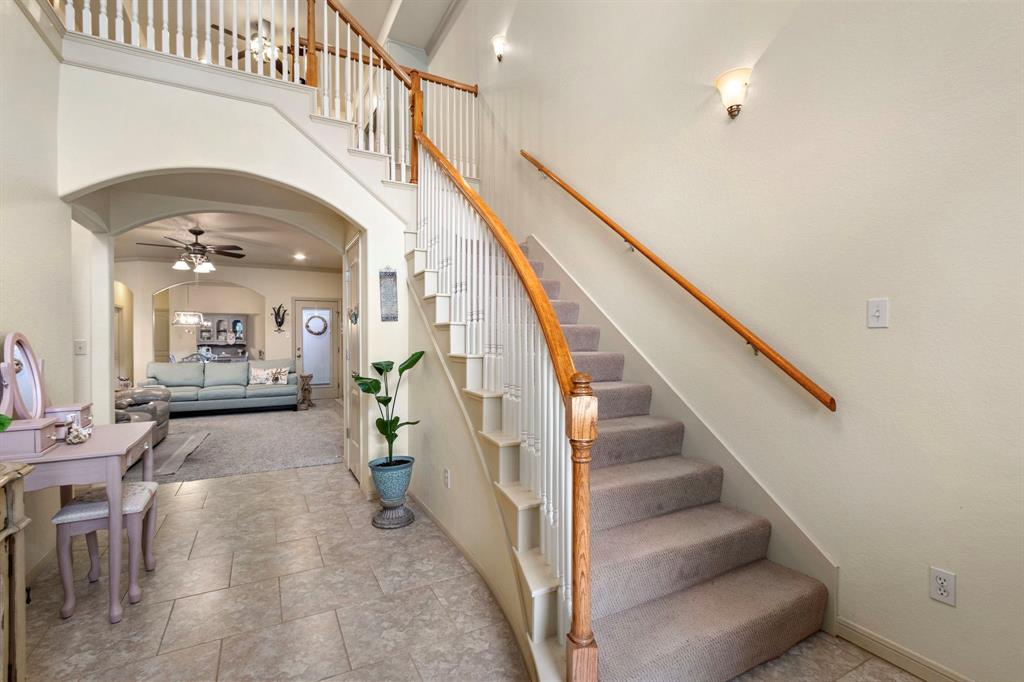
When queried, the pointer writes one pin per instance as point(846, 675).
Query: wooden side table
point(305, 391)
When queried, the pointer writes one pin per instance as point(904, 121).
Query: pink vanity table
point(102, 459)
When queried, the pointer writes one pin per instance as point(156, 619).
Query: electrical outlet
point(942, 586)
point(447, 477)
point(81, 347)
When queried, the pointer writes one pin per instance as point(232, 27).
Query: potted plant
point(391, 474)
point(5, 421)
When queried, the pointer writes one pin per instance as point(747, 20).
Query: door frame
point(355, 461)
point(339, 334)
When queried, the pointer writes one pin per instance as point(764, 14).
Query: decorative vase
point(392, 482)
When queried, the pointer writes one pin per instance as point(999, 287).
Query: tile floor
point(274, 576)
point(279, 575)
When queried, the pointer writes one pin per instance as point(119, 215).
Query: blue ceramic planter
point(392, 483)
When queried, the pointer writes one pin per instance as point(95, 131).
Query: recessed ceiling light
point(300, 256)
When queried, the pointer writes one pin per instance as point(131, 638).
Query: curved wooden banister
point(558, 347)
point(371, 41)
point(759, 345)
point(441, 80)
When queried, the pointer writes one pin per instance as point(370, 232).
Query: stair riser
point(675, 570)
point(631, 401)
point(456, 338)
point(502, 461)
point(603, 367)
point(437, 308)
point(568, 312)
point(625, 446)
point(425, 283)
point(417, 260)
point(522, 525)
point(467, 372)
point(581, 338)
point(538, 268)
point(484, 413)
point(551, 287)
point(410, 241)
point(610, 508)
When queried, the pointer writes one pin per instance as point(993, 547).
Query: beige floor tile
point(248, 502)
point(44, 611)
point(310, 524)
point(309, 648)
point(374, 630)
point(819, 657)
point(178, 503)
point(418, 561)
point(259, 563)
point(396, 669)
point(334, 499)
point(468, 602)
point(196, 664)
point(193, 519)
point(340, 549)
point(86, 644)
point(323, 589)
point(877, 670)
point(487, 654)
point(215, 615)
point(176, 579)
point(225, 539)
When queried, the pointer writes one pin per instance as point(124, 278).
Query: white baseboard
point(896, 654)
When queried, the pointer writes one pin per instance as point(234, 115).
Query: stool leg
point(134, 525)
point(148, 535)
point(67, 571)
point(94, 556)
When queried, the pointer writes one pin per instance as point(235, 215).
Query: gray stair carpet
point(681, 588)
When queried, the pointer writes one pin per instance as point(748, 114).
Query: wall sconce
point(499, 44)
point(732, 85)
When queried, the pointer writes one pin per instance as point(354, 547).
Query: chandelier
point(198, 263)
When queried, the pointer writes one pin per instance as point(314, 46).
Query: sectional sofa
point(215, 386)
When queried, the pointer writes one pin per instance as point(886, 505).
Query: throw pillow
point(271, 375)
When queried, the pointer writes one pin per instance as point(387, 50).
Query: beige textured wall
point(35, 239)
point(879, 154)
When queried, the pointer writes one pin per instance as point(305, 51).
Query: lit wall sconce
point(732, 85)
point(499, 44)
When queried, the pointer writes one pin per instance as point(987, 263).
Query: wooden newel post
point(581, 428)
point(312, 73)
point(417, 125)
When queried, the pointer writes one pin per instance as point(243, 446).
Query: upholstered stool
point(87, 514)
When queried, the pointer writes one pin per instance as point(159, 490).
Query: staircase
point(681, 588)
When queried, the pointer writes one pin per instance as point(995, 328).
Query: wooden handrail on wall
point(759, 345)
point(580, 423)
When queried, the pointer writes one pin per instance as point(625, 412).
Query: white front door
point(318, 339)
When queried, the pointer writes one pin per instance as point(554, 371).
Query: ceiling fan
point(261, 48)
point(196, 255)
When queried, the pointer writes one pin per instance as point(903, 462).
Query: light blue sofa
point(215, 386)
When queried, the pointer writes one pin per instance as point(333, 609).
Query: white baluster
point(87, 19)
point(359, 93)
point(234, 39)
point(69, 16)
point(220, 33)
point(104, 26)
point(248, 46)
point(119, 20)
point(150, 29)
point(325, 67)
point(193, 41)
point(295, 14)
point(207, 45)
point(348, 72)
point(179, 30)
point(337, 66)
point(136, 38)
point(165, 34)
point(273, 38)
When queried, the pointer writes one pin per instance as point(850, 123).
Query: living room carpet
point(250, 442)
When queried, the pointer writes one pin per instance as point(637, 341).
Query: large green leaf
point(5, 421)
point(383, 399)
point(410, 362)
point(367, 385)
point(383, 367)
point(408, 423)
point(382, 426)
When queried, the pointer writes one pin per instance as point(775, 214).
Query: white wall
point(34, 229)
point(879, 154)
point(275, 285)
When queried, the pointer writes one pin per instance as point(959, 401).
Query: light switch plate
point(878, 313)
point(81, 347)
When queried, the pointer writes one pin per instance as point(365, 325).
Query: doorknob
point(298, 352)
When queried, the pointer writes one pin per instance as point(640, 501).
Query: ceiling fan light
point(180, 264)
point(205, 267)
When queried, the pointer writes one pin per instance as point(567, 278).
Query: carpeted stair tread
point(568, 312)
point(581, 336)
point(713, 631)
point(648, 559)
point(621, 399)
point(600, 365)
point(632, 439)
point(538, 267)
point(632, 492)
point(551, 287)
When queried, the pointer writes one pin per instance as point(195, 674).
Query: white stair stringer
point(500, 452)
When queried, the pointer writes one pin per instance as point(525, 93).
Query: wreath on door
point(321, 325)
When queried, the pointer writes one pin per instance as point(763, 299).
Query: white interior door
point(318, 339)
point(352, 358)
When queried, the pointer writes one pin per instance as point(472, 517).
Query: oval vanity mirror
point(25, 377)
point(6, 392)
